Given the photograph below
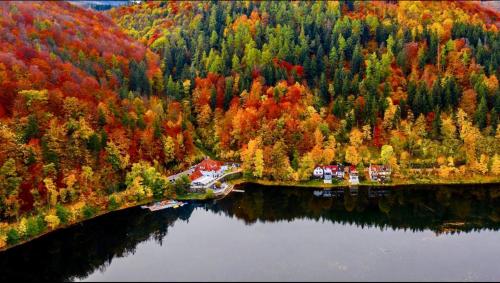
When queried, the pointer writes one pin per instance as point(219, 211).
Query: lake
point(271, 233)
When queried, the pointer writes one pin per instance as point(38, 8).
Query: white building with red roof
point(329, 172)
point(206, 172)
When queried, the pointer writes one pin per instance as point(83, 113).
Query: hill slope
point(287, 85)
point(78, 109)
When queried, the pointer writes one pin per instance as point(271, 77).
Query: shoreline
point(69, 225)
point(316, 184)
point(188, 197)
point(346, 185)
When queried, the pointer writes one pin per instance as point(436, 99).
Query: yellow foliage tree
point(317, 154)
point(495, 165)
point(52, 191)
point(352, 155)
point(367, 132)
point(306, 167)
point(34, 96)
point(332, 144)
point(445, 171)
point(356, 137)
point(168, 149)
point(389, 114)
point(3, 241)
point(448, 128)
point(118, 159)
point(491, 82)
point(247, 155)
point(318, 137)
point(259, 163)
point(22, 227)
point(328, 155)
point(404, 159)
point(52, 221)
point(469, 135)
point(386, 153)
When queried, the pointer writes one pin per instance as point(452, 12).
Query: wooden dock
point(223, 194)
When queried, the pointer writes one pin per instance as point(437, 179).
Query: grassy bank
point(343, 184)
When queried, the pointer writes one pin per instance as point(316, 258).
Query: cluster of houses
point(377, 173)
point(329, 172)
point(205, 174)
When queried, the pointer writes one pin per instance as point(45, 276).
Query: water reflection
point(79, 251)
point(440, 209)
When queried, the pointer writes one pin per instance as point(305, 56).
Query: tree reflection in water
point(440, 209)
point(78, 251)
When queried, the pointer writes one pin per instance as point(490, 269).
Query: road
point(188, 172)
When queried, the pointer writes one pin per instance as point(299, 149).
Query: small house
point(327, 174)
point(379, 173)
point(352, 170)
point(206, 172)
point(340, 172)
point(203, 181)
point(318, 172)
point(337, 171)
point(211, 168)
point(353, 175)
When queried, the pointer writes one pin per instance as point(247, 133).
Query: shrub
point(53, 221)
point(182, 185)
point(3, 241)
point(32, 227)
point(112, 203)
point(210, 193)
point(63, 214)
point(169, 191)
point(22, 228)
point(41, 224)
point(88, 211)
point(13, 237)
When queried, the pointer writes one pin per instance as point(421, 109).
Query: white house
point(211, 168)
point(212, 174)
point(201, 182)
point(318, 172)
point(327, 176)
point(337, 171)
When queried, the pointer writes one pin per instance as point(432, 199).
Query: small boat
point(163, 204)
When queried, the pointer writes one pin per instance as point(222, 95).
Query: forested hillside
point(285, 86)
point(78, 108)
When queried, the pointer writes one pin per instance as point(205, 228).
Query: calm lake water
point(432, 233)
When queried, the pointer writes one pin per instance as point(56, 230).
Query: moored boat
point(163, 205)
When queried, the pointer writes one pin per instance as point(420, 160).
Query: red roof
point(379, 168)
point(331, 167)
point(209, 165)
point(196, 174)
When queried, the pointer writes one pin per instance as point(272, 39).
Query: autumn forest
point(97, 108)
